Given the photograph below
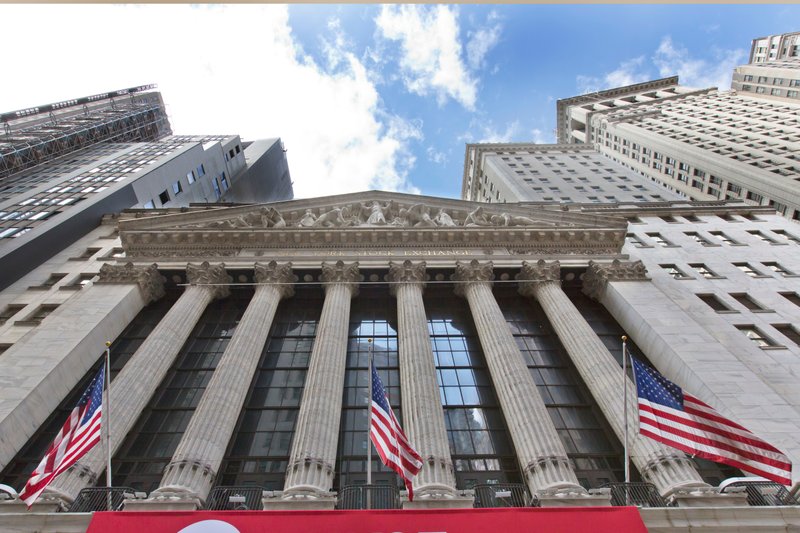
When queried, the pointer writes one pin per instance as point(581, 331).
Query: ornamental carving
point(405, 272)
point(151, 283)
point(532, 274)
point(281, 276)
point(472, 272)
point(598, 275)
point(341, 273)
point(215, 277)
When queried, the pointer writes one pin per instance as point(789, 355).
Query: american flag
point(80, 432)
point(671, 416)
point(388, 437)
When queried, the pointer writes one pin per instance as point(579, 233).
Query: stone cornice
point(280, 275)
point(598, 275)
point(150, 282)
point(406, 272)
point(215, 277)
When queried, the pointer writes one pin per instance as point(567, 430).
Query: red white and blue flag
point(388, 437)
point(673, 417)
point(80, 432)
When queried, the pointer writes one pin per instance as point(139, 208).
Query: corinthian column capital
point(530, 275)
point(215, 277)
point(280, 275)
point(340, 273)
point(407, 272)
point(472, 272)
point(598, 275)
point(150, 282)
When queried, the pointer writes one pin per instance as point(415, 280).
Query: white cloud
point(430, 60)
point(629, 72)
point(483, 40)
point(436, 156)
point(225, 69)
point(485, 131)
point(672, 59)
point(539, 137)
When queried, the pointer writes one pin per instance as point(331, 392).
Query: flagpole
point(369, 425)
point(107, 416)
point(625, 404)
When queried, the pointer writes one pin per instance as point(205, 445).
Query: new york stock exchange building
point(240, 339)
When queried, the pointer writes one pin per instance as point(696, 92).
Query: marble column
point(137, 381)
point(197, 458)
point(540, 452)
point(601, 372)
point(423, 417)
point(310, 471)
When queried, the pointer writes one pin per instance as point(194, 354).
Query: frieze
point(150, 282)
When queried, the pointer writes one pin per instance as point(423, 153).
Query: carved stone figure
point(444, 219)
point(419, 216)
point(308, 219)
point(272, 218)
point(477, 218)
point(333, 218)
point(375, 213)
point(504, 219)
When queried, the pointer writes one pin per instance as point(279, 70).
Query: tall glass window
point(610, 332)
point(593, 449)
point(148, 447)
point(259, 451)
point(480, 446)
point(18, 471)
point(373, 315)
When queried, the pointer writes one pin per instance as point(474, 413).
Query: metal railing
point(503, 495)
point(369, 497)
point(638, 494)
point(244, 498)
point(98, 499)
point(764, 493)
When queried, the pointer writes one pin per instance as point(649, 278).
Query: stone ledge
point(687, 519)
point(279, 501)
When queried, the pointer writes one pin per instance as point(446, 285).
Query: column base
point(709, 497)
point(463, 499)
point(570, 497)
point(299, 501)
point(165, 501)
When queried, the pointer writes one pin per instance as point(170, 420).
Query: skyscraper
point(705, 144)
point(772, 47)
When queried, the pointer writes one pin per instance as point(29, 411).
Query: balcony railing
point(245, 498)
point(638, 494)
point(764, 493)
point(369, 497)
point(503, 495)
point(100, 499)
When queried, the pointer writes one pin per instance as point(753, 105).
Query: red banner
point(548, 519)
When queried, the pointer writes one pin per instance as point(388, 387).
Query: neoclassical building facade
point(241, 334)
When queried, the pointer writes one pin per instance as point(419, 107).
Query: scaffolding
point(37, 135)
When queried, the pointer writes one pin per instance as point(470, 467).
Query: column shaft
point(659, 465)
point(311, 463)
point(196, 460)
point(539, 449)
point(423, 417)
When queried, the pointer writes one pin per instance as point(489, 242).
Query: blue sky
point(377, 97)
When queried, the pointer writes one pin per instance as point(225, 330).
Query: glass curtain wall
point(18, 471)
point(259, 451)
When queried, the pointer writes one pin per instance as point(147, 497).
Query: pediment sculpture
point(372, 214)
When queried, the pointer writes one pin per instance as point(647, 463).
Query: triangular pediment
point(364, 218)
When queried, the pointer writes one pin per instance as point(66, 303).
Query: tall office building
point(705, 144)
point(778, 79)
point(97, 156)
point(772, 47)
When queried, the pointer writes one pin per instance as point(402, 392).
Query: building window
point(675, 272)
point(659, 239)
point(190, 176)
point(792, 297)
point(41, 313)
point(699, 238)
point(786, 235)
point(703, 270)
point(756, 335)
point(50, 281)
point(724, 238)
point(87, 254)
point(749, 270)
point(177, 188)
point(215, 184)
point(713, 302)
point(201, 171)
point(259, 451)
point(788, 331)
point(9, 311)
point(776, 267)
point(149, 205)
point(163, 197)
point(748, 302)
point(81, 281)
